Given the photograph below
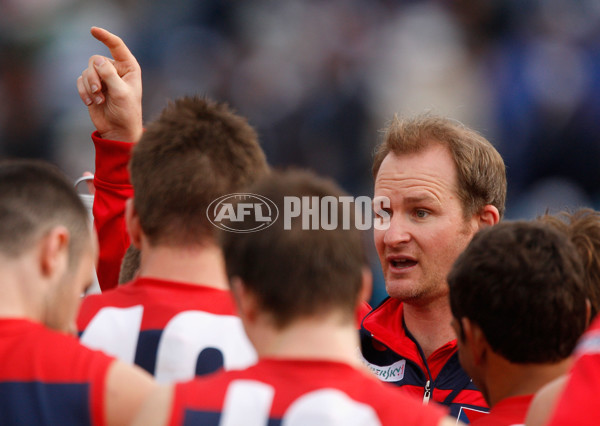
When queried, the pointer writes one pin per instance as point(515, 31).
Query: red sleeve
point(113, 188)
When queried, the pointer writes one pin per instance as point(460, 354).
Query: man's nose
point(398, 232)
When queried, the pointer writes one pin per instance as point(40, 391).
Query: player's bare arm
point(156, 408)
point(544, 402)
point(127, 387)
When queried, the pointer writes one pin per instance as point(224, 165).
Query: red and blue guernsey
point(296, 392)
point(391, 352)
point(49, 378)
point(173, 330)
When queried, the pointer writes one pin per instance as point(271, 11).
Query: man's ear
point(54, 252)
point(132, 221)
point(475, 341)
point(489, 216)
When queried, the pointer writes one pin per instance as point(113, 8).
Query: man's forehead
point(415, 186)
point(434, 160)
point(432, 153)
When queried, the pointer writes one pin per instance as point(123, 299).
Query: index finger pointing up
point(117, 47)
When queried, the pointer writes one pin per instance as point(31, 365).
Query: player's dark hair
point(298, 272)
point(196, 151)
point(523, 283)
point(34, 198)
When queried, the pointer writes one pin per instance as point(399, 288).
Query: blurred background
point(319, 79)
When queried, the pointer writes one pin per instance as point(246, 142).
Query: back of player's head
point(583, 229)
point(481, 173)
point(523, 284)
point(34, 198)
point(196, 151)
point(296, 272)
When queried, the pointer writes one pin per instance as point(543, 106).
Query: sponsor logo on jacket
point(388, 373)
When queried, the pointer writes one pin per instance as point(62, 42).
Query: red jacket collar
point(386, 325)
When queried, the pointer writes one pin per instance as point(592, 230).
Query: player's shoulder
point(118, 297)
point(50, 355)
point(65, 346)
point(107, 297)
point(177, 296)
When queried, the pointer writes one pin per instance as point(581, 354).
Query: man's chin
point(401, 289)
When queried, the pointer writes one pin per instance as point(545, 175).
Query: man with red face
point(47, 257)
point(436, 184)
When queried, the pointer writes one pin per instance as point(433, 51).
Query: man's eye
point(421, 214)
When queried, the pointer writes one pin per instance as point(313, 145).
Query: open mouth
point(402, 263)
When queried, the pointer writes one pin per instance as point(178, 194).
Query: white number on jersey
point(116, 331)
point(248, 402)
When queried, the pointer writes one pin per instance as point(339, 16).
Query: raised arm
point(112, 90)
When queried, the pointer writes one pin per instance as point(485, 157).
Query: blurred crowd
point(481, 315)
point(318, 79)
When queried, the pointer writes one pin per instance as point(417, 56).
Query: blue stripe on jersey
point(205, 418)
point(209, 360)
point(147, 347)
point(37, 403)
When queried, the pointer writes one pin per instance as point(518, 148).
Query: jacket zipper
point(427, 394)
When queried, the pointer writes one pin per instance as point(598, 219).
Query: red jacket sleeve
point(113, 188)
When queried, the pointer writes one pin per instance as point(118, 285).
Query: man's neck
point(20, 296)
point(202, 265)
point(430, 324)
point(507, 380)
point(311, 338)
